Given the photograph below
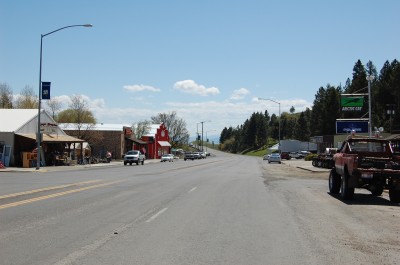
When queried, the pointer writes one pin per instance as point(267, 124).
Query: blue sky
point(207, 60)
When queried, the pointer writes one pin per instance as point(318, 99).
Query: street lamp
point(279, 121)
point(40, 86)
point(369, 78)
point(207, 137)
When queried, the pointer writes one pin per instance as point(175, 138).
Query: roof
point(153, 130)
point(97, 127)
point(47, 138)
point(13, 119)
point(134, 139)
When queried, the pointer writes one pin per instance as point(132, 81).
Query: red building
point(157, 142)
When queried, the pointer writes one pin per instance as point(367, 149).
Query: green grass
point(259, 152)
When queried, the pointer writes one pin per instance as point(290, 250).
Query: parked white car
point(133, 156)
point(167, 157)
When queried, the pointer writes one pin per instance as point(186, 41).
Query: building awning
point(53, 138)
point(164, 143)
point(136, 140)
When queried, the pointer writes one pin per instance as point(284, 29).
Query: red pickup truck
point(365, 163)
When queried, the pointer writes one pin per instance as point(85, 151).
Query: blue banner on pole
point(46, 90)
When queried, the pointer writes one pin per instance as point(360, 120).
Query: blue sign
point(348, 126)
point(46, 90)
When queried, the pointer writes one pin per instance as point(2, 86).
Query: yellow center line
point(56, 195)
point(46, 189)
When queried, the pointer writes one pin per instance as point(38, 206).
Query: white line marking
point(156, 215)
point(193, 189)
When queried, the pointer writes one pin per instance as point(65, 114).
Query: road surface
point(227, 209)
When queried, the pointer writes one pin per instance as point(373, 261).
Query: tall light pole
point(202, 122)
point(369, 78)
point(38, 136)
point(279, 121)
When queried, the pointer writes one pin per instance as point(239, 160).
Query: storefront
point(18, 130)
point(157, 141)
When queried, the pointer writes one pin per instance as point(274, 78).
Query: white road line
point(156, 215)
point(193, 189)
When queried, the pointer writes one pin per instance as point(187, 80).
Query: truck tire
point(377, 190)
point(137, 162)
point(394, 194)
point(334, 182)
point(346, 192)
point(143, 162)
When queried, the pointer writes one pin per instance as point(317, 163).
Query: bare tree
point(176, 126)
point(27, 99)
point(141, 128)
point(79, 114)
point(6, 96)
point(53, 106)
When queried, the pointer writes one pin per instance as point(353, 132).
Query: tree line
point(262, 129)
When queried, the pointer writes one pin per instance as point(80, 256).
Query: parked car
point(266, 157)
point(167, 157)
point(294, 155)
point(188, 155)
point(303, 154)
point(274, 157)
point(133, 156)
point(196, 155)
point(285, 155)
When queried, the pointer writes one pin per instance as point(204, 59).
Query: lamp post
point(369, 78)
point(38, 136)
point(279, 121)
point(207, 137)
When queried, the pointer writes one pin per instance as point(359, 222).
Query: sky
point(209, 61)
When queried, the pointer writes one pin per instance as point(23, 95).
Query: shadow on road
point(365, 199)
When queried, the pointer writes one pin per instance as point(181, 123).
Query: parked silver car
point(275, 157)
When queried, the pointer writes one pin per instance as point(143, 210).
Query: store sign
point(352, 103)
point(349, 126)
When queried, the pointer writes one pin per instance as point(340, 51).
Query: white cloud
point(189, 86)
point(220, 113)
point(239, 93)
point(138, 88)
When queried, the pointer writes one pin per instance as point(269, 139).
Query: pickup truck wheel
point(124, 163)
point(346, 192)
point(334, 182)
point(377, 190)
point(394, 194)
point(137, 162)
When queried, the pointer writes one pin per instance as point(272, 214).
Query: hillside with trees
point(261, 129)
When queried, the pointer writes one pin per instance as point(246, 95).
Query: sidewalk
point(66, 168)
point(306, 165)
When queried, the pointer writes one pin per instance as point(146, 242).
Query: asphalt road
point(227, 209)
